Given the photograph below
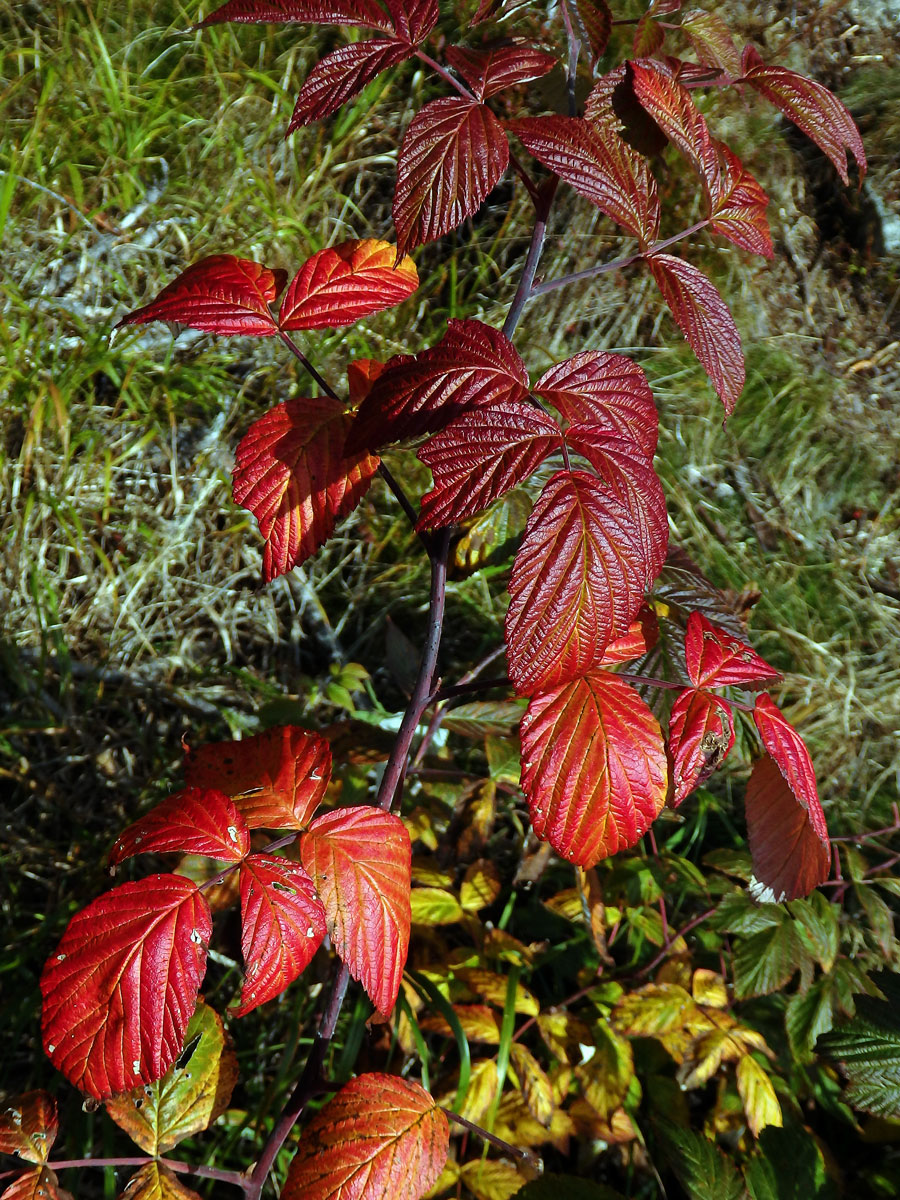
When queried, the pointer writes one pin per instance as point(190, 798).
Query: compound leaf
point(608, 389)
point(220, 294)
point(343, 74)
point(738, 205)
point(277, 779)
point(379, 1136)
point(343, 283)
point(701, 733)
point(282, 926)
point(292, 472)
point(593, 767)
point(451, 157)
point(194, 821)
point(28, 1126)
point(717, 659)
point(365, 13)
point(122, 984)
point(360, 861)
point(491, 70)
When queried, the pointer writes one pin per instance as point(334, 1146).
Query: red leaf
point(703, 317)
point(277, 779)
point(282, 926)
point(701, 733)
point(316, 12)
point(648, 37)
point(220, 294)
point(640, 638)
point(811, 107)
point(380, 1136)
point(291, 471)
point(578, 581)
point(597, 19)
point(360, 861)
point(630, 476)
point(738, 206)
point(361, 374)
point(343, 74)
point(339, 285)
point(482, 455)
point(490, 71)
point(452, 155)
point(122, 984)
point(28, 1126)
point(598, 165)
point(711, 40)
point(39, 1184)
point(195, 821)
point(413, 19)
point(788, 839)
point(716, 659)
point(789, 751)
point(472, 366)
point(593, 767)
point(606, 388)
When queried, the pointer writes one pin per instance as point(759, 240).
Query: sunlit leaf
point(156, 1182)
point(491, 70)
point(757, 1095)
point(701, 733)
point(343, 283)
point(716, 659)
point(533, 1083)
point(195, 821)
point(491, 1179)
point(434, 906)
point(28, 1126)
point(39, 1184)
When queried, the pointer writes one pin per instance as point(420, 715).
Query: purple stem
point(515, 1151)
point(237, 1178)
point(445, 74)
point(301, 357)
point(526, 290)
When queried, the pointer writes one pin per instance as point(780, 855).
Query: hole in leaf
point(185, 1056)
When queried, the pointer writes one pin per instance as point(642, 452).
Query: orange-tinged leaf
point(361, 374)
point(291, 471)
point(156, 1182)
point(277, 779)
point(533, 1083)
point(282, 926)
point(639, 639)
point(28, 1126)
point(578, 582)
point(190, 1096)
point(757, 1095)
point(340, 285)
point(480, 886)
point(380, 1138)
point(360, 861)
point(701, 733)
point(195, 821)
point(39, 1184)
point(716, 659)
point(593, 767)
point(122, 984)
point(220, 294)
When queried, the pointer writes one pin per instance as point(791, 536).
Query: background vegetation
point(130, 608)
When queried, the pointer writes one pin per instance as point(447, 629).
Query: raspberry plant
point(622, 668)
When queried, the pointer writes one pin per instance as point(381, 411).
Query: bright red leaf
point(472, 366)
point(340, 285)
point(578, 581)
point(598, 165)
point(703, 317)
point(788, 839)
point(291, 471)
point(380, 1136)
point(360, 861)
point(28, 1126)
point(195, 821)
point(451, 157)
point(122, 984)
point(711, 40)
point(316, 12)
point(282, 926)
point(788, 749)
point(738, 206)
point(277, 779)
point(361, 374)
point(608, 389)
point(482, 455)
point(717, 659)
point(220, 294)
point(811, 107)
point(491, 70)
point(593, 767)
point(343, 74)
point(701, 733)
point(39, 1184)
point(597, 19)
point(639, 639)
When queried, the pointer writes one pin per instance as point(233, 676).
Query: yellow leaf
point(491, 1179)
point(479, 1023)
point(480, 886)
point(426, 873)
point(481, 1091)
point(564, 1034)
point(446, 1180)
point(566, 904)
point(705, 1056)
point(434, 906)
point(492, 987)
point(606, 1076)
point(758, 1096)
point(476, 820)
point(533, 1084)
point(709, 989)
point(656, 1008)
point(154, 1182)
point(515, 1124)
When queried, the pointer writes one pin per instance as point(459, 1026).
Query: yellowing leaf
point(567, 904)
point(533, 1083)
point(492, 987)
point(479, 1023)
point(480, 886)
point(758, 1096)
point(28, 1126)
point(434, 906)
point(654, 1009)
point(516, 1124)
point(606, 1076)
point(155, 1182)
point(709, 989)
point(481, 1091)
point(489, 1179)
point(564, 1034)
point(38, 1184)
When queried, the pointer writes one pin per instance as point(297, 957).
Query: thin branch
point(445, 74)
point(464, 689)
point(667, 949)
point(530, 186)
point(515, 1151)
point(278, 844)
point(301, 357)
point(525, 290)
point(237, 1178)
point(405, 503)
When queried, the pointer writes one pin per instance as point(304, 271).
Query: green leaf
point(811, 1013)
point(879, 917)
point(868, 1050)
point(817, 927)
point(789, 1167)
point(739, 913)
point(700, 1166)
point(553, 1187)
point(766, 961)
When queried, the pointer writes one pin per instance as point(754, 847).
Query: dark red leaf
point(593, 767)
point(282, 926)
point(701, 732)
point(788, 749)
point(365, 13)
point(343, 74)
point(480, 456)
point(711, 40)
point(717, 659)
point(292, 472)
point(703, 317)
point(811, 107)
point(277, 779)
point(360, 861)
point(608, 389)
point(788, 839)
point(613, 107)
point(413, 19)
point(598, 165)
point(597, 19)
point(578, 581)
point(640, 638)
point(738, 206)
point(28, 1126)
point(340, 285)
point(195, 821)
point(452, 155)
point(122, 984)
point(380, 1137)
point(491, 70)
point(472, 366)
point(220, 294)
